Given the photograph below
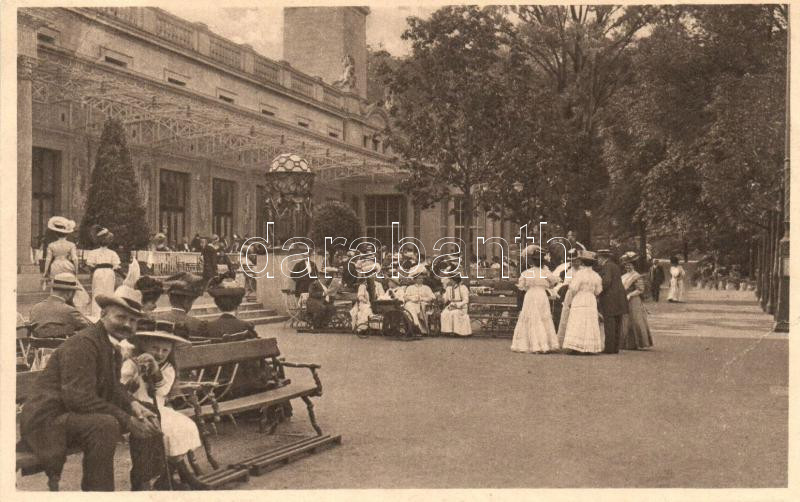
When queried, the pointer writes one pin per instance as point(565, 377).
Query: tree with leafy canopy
point(455, 116)
point(716, 83)
point(334, 219)
point(584, 54)
point(113, 200)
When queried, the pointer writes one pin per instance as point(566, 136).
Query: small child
point(148, 373)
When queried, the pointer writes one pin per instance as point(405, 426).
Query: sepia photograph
point(422, 246)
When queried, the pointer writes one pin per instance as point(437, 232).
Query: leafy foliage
point(455, 115)
point(334, 219)
point(113, 200)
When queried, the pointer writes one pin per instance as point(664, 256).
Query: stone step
point(210, 308)
point(266, 317)
point(246, 315)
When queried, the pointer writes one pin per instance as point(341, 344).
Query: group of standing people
point(602, 310)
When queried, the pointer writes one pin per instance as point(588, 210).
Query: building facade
point(204, 116)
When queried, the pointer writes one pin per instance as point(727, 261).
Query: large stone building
point(204, 116)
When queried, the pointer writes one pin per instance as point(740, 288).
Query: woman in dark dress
point(635, 329)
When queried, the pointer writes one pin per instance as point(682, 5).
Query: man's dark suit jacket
point(53, 318)
point(228, 324)
point(82, 376)
point(210, 259)
point(612, 301)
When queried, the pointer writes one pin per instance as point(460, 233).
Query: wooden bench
point(280, 392)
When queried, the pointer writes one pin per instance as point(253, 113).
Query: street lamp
point(289, 181)
point(588, 237)
point(289, 184)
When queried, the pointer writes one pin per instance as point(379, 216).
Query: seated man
point(77, 401)
point(183, 289)
point(56, 317)
point(227, 297)
point(303, 273)
point(320, 305)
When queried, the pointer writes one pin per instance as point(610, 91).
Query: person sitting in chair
point(183, 289)
point(417, 297)
point(56, 316)
point(320, 306)
point(227, 296)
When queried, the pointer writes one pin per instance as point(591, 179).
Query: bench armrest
point(311, 367)
point(301, 365)
point(183, 386)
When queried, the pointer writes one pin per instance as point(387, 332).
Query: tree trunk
point(685, 249)
point(643, 265)
point(775, 271)
point(466, 220)
point(762, 276)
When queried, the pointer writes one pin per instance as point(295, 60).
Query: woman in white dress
point(455, 316)
point(62, 255)
point(676, 279)
point(368, 290)
point(148, 372)
point(103, 262)
point(580, 319)
point(535, 331)
point(417, 297)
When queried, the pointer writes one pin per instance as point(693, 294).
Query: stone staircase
point(29, 293)
point(249, 311)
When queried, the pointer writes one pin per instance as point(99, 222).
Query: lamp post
point(289, 181)
point(782, 310)
point(588, 238)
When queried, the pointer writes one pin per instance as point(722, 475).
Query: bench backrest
point(190, 357)
point(25, 381)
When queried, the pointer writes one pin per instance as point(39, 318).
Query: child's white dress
point(180, 432)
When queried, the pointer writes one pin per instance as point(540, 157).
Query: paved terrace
point(706, 408)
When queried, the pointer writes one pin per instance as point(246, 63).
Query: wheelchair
point(389, 318)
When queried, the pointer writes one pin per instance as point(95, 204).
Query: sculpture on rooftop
point(348, 81)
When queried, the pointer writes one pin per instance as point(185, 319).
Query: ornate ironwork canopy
point(173, 120)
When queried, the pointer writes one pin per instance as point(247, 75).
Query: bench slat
point(254, 401)
point(199, 356)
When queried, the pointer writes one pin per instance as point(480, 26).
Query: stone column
point(27, 25)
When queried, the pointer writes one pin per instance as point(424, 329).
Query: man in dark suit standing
point(210, 255)
point(78, 401)
point(613, 301)
point(656, 279)
point(56, 317)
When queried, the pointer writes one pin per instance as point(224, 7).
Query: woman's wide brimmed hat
point(223, 286)
point(533, 249)
point(164, 330)
point(184, 284)
point(629, 257)
point(367, 267)
point(61, 225)
point(149, 285)
point(101, 235)
point(418, 270)
point(125, 297)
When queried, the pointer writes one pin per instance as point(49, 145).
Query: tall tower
point(317, 39)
